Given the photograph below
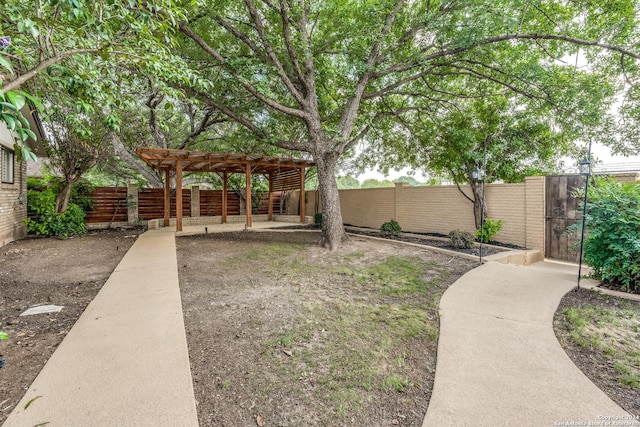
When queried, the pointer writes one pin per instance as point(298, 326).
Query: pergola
point(283, 173)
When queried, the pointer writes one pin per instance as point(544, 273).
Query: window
point(6, 165)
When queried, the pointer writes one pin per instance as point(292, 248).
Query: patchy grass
point(350, 346)
point(304, 336)
point(613, 331)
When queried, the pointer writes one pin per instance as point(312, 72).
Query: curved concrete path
point(125, 361)
point(499, 362)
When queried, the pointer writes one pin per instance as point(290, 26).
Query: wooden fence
point(111, 204)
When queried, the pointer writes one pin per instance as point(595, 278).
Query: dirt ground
point(42, 271)
point(285, 333)
point(260, 314)
point(595, 363)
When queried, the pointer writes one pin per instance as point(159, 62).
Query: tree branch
point(507, 37)
point(253, 12)
point(247, 86)
point(20, 80)
point(286, 30)
point(121, 151)
point(347, 120)
point(460, 189)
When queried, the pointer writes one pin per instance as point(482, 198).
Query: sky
point(601, 152)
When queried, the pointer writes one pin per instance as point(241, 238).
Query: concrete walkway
point(125, 362)
point(499, 362)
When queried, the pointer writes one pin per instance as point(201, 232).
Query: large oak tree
point(317, 77)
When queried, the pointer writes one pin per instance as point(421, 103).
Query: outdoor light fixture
point(585, 170)
point(477, 174)
point(585, 167)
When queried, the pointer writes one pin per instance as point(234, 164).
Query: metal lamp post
point(478, 175)
point(585, 170)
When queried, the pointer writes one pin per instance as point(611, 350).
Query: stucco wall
point(440, 209)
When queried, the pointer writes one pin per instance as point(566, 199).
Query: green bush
point(80, 193)
point(44, 221)
point(612, 246)
point(392, 227)
point(489, 229)
point(317, 219)
point(461, 239)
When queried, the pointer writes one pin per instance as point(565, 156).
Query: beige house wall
point(440, 209)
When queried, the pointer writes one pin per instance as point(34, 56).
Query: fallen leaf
point(261, 420)
point(31, 401)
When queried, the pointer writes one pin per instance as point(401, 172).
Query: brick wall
point(13, 207)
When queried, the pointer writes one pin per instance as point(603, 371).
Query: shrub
point(461, 239)
point(80, 192)
point(45, 221)
point(317, 219)
point(612, 246)
point(489, 229)
point(392, 227)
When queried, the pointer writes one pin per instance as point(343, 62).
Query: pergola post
point(167, 197)
point(302, 196)
point(270, 196)
point(224, 197)
point(248, 195)
point(280, 172)
point(179, 195)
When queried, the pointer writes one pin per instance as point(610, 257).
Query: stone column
point(195, 201)
point(132, 204)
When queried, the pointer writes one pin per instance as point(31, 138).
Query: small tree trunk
point(333, 233)
point(62, 201)
point(476, 188)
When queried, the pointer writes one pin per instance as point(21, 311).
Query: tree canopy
point(320, 77)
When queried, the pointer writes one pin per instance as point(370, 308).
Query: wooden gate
point(562, 210)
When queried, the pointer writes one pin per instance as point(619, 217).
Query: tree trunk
point(62, 201)
point(121, 151)
point(476, 189)
point(333, 233)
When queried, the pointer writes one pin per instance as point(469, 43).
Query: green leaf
point(36, 101)
point(5, 63)
point(9, 120)
point(9, 106)
point(3, 335)
point(24, 135)
point(15, 99)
